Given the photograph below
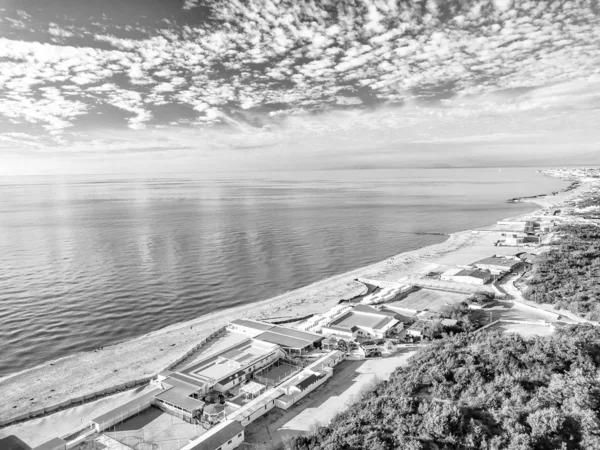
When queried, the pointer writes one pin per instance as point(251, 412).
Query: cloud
point(273, 66)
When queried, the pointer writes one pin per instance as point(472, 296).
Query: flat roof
point(13, 442)
point(498, 261)
point(186, 379)
point(52, 444)
point(261, 326)
point(180, 398)
point(289, 338)
point(127, 407)
point(351, 319)
point(306, 335)
point(221, 434)
point(232, 360)
point(383, 323)
point(282, 340)
point(302, 385)
point(480, 274)
point(366, 309)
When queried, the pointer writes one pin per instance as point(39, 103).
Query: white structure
point(514, 240)
point(362, 321)
point(469, 276)
point(497, 264)
point(385, 294)
point(225, 436)
point(249, 327)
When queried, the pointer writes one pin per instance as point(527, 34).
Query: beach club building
point(498, 265)
point(469, 276)
point(362, 321)
point(295, 342)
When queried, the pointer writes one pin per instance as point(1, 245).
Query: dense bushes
point(568, 274)
point(484, 391)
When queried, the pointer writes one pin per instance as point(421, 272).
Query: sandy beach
point(84, 373)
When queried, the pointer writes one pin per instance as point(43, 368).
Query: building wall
point(135, 409)
point(256, 366)
point(234, 442)
point(258, 413)
point(417, 333)
point(470, 280)
point(496, 270)
point(329, 332)
point(300, 395)
point(185, 415)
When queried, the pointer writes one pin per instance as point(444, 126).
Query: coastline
point(80, 374)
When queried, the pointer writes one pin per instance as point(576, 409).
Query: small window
point(230, 441)
point(240, 435)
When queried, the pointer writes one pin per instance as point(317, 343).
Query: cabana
point(213, 413)
point(252, 389)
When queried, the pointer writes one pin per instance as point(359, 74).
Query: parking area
point(349, 381)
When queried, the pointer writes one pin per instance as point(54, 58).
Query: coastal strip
point(84, 374)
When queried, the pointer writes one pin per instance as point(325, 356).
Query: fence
point(75, 401)
point(274, 381)
point(526, 322)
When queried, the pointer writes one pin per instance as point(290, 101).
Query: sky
point(161, 86)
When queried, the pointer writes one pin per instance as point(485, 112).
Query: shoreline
point(85, 372)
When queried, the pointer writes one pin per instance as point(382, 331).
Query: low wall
point(380, 283)
point(301, 395)
point(196, 348)
point(526, 322)
point(279, 321)
point(75, 401)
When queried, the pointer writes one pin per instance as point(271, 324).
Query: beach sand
point(84, 373)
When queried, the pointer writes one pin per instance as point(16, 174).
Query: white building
point(469, 276)
point(225, 436)
point(362, 321)
point(497, 264)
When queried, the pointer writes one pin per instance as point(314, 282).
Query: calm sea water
point(89, 262)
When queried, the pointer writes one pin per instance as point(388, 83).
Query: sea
point(89, 261)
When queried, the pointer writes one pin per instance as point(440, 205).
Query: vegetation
point(567, 275)
point(481, 298)
point(484, 391)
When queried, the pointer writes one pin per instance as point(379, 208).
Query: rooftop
point(370, 310)
point(219, 435)
point(255, 324)
point(230, 361)
point(419, 325)
point(52, 444)
point(363, 316)
point(179, 397)
point(311, 379)
point(183, 378)
point(498, 261)
point(139, 402)
point(289, 338)
point(480, 274)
